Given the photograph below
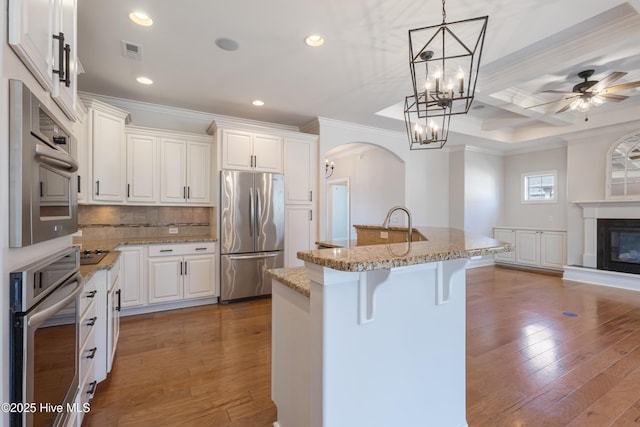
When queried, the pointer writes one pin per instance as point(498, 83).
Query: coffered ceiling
point(361, 74)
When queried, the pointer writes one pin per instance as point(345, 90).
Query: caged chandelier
point(444, 62)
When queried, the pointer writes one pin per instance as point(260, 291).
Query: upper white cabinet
point(185, 171)
point(300, 170)
point(251, 151)
point(43, 35)
point(108, 152)
point(80, 148)
point(142, 173)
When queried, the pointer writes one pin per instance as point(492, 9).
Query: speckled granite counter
point(293, 277)
point(87, 270)
point(442, 244)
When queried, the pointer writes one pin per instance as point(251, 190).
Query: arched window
point(623, 168)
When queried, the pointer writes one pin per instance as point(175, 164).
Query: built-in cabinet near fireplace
point(619, 245)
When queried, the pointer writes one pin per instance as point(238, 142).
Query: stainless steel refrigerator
point(251, 232)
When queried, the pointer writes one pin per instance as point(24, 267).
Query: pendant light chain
point(444, 14)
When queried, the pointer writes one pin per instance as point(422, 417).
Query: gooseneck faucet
point(385, 224)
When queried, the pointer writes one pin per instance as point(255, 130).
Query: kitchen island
point(374, 335)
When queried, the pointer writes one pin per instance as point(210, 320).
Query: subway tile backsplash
point(107, 221)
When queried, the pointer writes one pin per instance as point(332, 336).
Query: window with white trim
point(540, 187)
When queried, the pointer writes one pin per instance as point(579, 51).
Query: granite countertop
point(110, 244)
point(293, 277)
point(443, 244)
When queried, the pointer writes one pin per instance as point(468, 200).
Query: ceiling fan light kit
point(444, 61)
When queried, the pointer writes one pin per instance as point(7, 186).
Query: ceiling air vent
point(132, 50)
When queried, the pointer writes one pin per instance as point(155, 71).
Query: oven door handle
point(56, 158)
point(39, 317)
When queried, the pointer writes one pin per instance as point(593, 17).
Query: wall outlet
point(173, 230)
point(384, 234)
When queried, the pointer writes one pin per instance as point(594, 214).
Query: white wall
point(483, 191)
point(538, 215)
point(456, 188)
point(427, 171)
point(12, 259)
point(586, 175)
point(376, 181)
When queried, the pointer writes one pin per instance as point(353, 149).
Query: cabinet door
point(299, 233)
point(165, 279)
point(31, 36)
point(173, 187)
point(300, 165)
point(64, 94)
point(108, 157)
point(528, 247)
point(553, 249)
point(133, 281)
point(237, 150)
point(199, 277)
point(113, 325)
point(141, 168)
point(504, 235)
point(198, 172)
point(267, 151)
point(80, 154)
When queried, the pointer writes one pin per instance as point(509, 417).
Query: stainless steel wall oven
point(42, 196)
point(44, 340)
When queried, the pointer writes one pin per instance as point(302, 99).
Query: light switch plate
point(173, 230)
point(384, 234)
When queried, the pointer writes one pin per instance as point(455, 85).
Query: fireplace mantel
point(592, 210)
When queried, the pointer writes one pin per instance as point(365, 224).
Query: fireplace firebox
point(619, 245)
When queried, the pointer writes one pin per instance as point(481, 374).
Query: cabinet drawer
point(87, 296)
point(88, 386)
point(87, 356)
point(182, 249)
point(87, 324)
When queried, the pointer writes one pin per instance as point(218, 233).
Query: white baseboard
point(480, 262)
point(611, 279)
point(152, 308)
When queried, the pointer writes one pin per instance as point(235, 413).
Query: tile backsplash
point(108, 221)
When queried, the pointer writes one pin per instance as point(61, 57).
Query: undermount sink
point(377, 235)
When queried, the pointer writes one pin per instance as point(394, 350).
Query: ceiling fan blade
point(563, 92)
point(616, 75)
point(612, 97)
point(565, 108)
point(623, 86)
point(550, 102)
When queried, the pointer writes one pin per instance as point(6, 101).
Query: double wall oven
point(44, 340)
point(42, 195)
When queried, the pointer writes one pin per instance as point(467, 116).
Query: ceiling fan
point(591, 92)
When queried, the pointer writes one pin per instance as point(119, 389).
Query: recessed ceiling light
point(258, 103)
point(144, 80)
point(141, 18)
point(314, 40)
point(227, 44)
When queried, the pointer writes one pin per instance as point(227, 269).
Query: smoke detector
point(132, 50)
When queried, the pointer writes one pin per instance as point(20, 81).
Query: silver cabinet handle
point(166, 250)
point(257, 256)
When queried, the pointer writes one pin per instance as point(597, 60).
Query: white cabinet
point(88, 347)
point(142, 173)
point(300, 170)
point(300, 177)
point(251, 151)
point(533, 247)
point(113, 312)
point(43, 35)
point(133, 279)
point(299, 225)
point(107, 151)
point(80, 128)
point(505, 235)
point(185, 167)
point(100, 363)
point(181, 271)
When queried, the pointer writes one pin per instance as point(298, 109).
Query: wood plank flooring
point(528, 364)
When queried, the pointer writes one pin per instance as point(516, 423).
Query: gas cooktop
point(88, 257)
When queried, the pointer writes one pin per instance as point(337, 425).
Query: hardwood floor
point(528, 364)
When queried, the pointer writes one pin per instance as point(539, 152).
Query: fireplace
point(619, 245)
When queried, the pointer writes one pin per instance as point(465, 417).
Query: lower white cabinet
point(133, 284)
point(87, 333)
point(113, 312)
point(108, 318)
point(533, 247)
point(181, 271)
point(300, 236)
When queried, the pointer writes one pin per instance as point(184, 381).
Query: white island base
point(377, 348)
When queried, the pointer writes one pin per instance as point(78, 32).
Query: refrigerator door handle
point(255, 256)
point(258, 212)
point(252, 216)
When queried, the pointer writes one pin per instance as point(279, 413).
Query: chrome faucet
point(385, 224)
